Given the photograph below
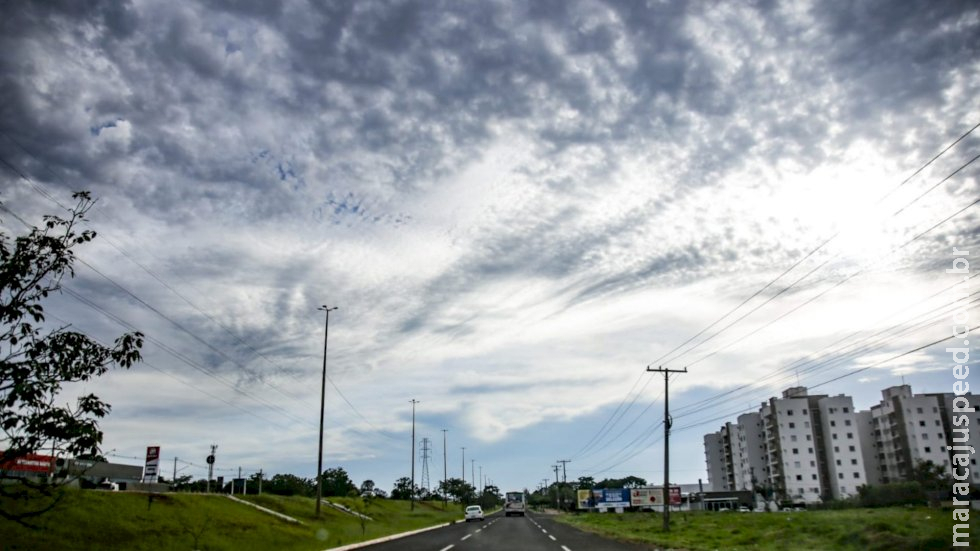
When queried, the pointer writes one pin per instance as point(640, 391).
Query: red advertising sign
point(30, 463)
point(150, 472)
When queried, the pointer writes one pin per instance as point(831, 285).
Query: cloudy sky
point(517, 207)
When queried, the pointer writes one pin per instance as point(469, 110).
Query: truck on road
point(515, 503)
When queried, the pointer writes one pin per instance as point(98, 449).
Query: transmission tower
point(424, 456)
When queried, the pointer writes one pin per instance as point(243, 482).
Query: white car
point(474, 512)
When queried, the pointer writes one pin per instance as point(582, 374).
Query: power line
point(40, 190)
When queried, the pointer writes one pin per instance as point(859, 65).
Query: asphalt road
point(530, 533)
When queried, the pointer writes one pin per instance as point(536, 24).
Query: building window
point(792, 438)
point(796, 464)
point(836, 449)
point(857, 475)
point(839, 475)
point(834, 436)
point(806, 424)
point(918, 410)
point(796, 451)
point(850, 436)
point(922, 423)
point(808, 438)
point(838, 461)
point(792, 425)
point(925, 436)
point(804, 412)
point(927, 449)
point(790, 412)
point(833, 423)
point(831, 410)
point(799, 477)
point(809, 450)
point(846, 410)
point(854, 462)
point(937, 422)
point(813, 463)
point(847, 422)
point(814, 477)
point(850, 448)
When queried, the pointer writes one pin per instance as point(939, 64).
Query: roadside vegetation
point(131, 521)
point(851, 529)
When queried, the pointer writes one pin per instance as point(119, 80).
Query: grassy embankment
point(850, 529)
point(105, 520)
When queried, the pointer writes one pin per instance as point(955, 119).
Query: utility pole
point(667, 423)
point(564, 477)
point(482, 482)
point(412, 489)
point(463, 478)
point(445, 471)
point(174, 479)
point(323, 398)
point(260, 481)
point(473, 474)
point(557, 489)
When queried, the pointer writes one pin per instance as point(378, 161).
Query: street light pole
point(323, 397)
point(445, 471)
point(412, 490)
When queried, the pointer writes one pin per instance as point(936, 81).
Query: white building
point(714, 455)
point(842, 444)
point(908, 428)
point(810, 448)
point(797, 467)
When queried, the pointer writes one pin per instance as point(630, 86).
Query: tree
point(932, 477)
point(336, 482)
point(586, 483)
point(458, 489)
point(290, 485)
point(35, 362)
point(403, 488)
point(367, 487)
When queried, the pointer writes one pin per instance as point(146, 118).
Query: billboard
point(607, 497)
point(30, 463)
point(640, 497)
point(151, 470)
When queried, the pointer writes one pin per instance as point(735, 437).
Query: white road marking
point(563, 547)
point(466, 537)
point(478, 530)
point(448, 547)
point(552, 537)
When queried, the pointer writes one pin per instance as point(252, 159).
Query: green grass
point(121, 520)
point(851, 529)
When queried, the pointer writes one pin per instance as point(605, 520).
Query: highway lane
point(531, 533)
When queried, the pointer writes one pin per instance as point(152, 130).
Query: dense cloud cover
point(517, 206)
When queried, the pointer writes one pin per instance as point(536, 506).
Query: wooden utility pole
point(667, 423)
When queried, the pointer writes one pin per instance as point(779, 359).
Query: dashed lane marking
point(448, 547)
point(552, 537)
point(466, 537)
point(563, 547)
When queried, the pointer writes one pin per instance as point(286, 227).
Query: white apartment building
point(869, 448)
point(908, 428)
point(842, 444)
point(749, 452)
point(963, 428)
point(797, 467)
point(809, 448)
point(714, 455)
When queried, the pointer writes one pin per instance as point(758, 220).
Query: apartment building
point(842, 444)
point(715, 457)
point(907, 429)
point(811, 448)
